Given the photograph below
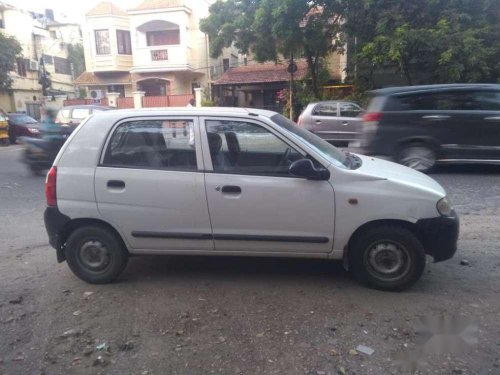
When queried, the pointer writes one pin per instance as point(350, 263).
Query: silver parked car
point(335, 121)
point(232, 181)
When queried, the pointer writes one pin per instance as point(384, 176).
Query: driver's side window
point(246, 148)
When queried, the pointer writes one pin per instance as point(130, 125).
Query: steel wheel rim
point(94, 255)
point(418, 158)
point(387, 260)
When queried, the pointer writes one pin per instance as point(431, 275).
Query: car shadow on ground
point(234, 268)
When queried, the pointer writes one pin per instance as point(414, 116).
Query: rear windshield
point(325, 149)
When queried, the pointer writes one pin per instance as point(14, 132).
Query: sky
point(74, 10)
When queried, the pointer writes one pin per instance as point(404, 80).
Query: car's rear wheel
point(387, 257)
point(95, 254)
point(417, 156)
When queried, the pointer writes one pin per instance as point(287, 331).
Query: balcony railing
point(159, 55)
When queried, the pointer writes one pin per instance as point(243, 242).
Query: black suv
point(419, 126)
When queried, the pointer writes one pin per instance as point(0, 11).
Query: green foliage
point(427, 41)
point(10, 49)
point(82, 93)
point(273, 28)
point(77, 58)
point(207, 103)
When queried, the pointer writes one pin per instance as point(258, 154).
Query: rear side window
point(349, 110)
point(153, 144)
point(327, 109)
point(439, 101)
point(80, 113)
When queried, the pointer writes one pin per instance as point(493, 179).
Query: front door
point(150, 185)
point(255, 204)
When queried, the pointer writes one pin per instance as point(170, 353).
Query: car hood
point(382, 169)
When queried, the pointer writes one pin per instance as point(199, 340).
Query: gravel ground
point(199, 315)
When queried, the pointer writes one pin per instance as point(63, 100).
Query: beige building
point(156, 48)
point(41, 37)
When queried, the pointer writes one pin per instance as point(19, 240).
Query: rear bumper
point(440, 236)
point(54, 223)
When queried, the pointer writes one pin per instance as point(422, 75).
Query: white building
point(156, 48)
point(40, 37)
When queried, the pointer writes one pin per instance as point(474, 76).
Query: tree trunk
point(312, 64)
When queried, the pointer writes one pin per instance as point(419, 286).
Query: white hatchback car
point(233, 181)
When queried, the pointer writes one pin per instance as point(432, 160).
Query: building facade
point(44, 44)
point(156, 48)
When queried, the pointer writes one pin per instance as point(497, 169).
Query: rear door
point(150, 185)
point(325, 120)
point(349, 126)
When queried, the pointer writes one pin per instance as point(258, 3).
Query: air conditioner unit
point(33, 66)
point(95, 94)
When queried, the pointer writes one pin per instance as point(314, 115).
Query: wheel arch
point(74, 224)
point(412, 227)
point(426, 140)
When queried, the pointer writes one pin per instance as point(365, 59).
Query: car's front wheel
point(95, 254)
point(387, 257)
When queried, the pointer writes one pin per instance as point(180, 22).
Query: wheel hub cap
point(94, 255)
point(386, 258)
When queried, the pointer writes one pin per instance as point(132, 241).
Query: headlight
point(444, 207)
point(34, 130)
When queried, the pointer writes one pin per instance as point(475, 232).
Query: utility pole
point(292, 69)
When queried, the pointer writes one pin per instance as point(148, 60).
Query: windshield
point(23, 119)
point(329, 152)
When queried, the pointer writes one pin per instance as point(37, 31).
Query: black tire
point(85, 242)
point(377, 247)
point(419, 156)
point(12, 139)
point(36, 171)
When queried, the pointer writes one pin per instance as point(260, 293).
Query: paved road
point(199, 315)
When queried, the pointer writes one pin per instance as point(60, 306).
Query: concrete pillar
point(138, 95)
point(198, 96)
point(113, 99)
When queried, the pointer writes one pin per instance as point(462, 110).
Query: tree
point(77, 58)
point(427, 41)
point(273, 28)
point(11, 49)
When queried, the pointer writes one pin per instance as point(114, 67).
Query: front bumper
point(440, 236)
point(54, 223)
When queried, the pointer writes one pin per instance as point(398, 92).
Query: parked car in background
point(72, 115)
point(337, 122)
point(22, 125)
point(4, 129)
point(421, 126)
point(235, 181)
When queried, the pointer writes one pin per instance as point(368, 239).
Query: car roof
point(90, 106)
point(420, 88)
point(185, 111)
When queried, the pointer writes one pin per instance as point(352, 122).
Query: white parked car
point(233, 181)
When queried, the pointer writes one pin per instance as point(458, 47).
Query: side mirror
point(306, 169)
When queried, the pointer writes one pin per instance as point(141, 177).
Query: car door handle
point(493, 118)
point(116, 184)
point(436, 117)
point(318, 122)
point(229, 189)
point(345, 123)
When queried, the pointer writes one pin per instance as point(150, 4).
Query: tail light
point(372, 117)
point(299, 121)
point(50, 187)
